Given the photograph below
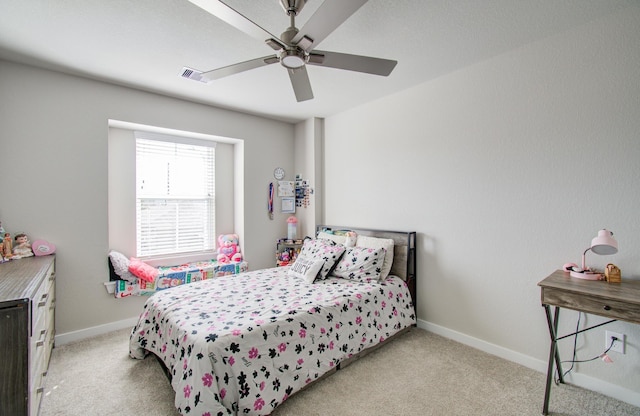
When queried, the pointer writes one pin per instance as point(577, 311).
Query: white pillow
point(338, 239)
point(375, 242)
point(361, 263)
point(120, 264)
point(306, 268)
point(326, 250)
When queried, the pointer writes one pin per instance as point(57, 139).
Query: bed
point(243, 344)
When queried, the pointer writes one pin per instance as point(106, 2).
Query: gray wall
point(53, 132)
point(506, 169)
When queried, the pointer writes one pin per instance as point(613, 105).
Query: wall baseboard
point(69, 337)
point(576, 379)
point(581, 380)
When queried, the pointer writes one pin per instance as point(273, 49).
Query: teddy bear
point(228, 248)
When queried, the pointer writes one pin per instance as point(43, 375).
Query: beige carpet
point(418, 374)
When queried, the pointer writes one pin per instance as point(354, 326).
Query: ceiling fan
point(294, 48)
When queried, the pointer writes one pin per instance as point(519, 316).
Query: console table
point(617, 301)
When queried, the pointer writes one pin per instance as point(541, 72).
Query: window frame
point(148, 144)
point(121, 194)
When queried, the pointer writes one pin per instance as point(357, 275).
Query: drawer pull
point(39, 390)
point(40, 342)
point(607, 308)
point(43, 300)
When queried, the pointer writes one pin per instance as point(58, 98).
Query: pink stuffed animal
point(228, 248)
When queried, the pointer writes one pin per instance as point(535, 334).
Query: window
point(175, 195)
point(225, 165)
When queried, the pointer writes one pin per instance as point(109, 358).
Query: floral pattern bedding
point(242, 344)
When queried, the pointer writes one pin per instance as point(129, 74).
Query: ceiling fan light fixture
point(293, 59)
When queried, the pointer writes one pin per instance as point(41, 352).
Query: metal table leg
point(553, 355)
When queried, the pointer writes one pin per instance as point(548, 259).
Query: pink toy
point(228, 248)
point(142, 270)
point(42, 248)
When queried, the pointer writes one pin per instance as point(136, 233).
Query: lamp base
point(587, 275)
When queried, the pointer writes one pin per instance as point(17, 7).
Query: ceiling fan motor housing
point(292, 6)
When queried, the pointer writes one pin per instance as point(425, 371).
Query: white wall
point(53, 153)
point(506, 169)
point(308, 163)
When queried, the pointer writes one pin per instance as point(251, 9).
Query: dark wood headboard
point(404, 251)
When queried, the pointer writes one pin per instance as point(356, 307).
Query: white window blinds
point(175, 195)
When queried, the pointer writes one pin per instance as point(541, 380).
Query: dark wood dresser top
point(17, 276)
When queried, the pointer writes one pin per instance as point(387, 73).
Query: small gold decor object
point(612, 273)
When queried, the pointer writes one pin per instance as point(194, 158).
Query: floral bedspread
point(242, 344)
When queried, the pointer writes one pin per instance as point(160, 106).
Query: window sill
point(172, 260)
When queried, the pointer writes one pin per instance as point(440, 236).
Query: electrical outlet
point(618, 344)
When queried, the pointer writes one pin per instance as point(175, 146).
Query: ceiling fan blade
point(300, 82)
point(330, 15)
point(358, 63)
point(239, 67)
point(237, 20)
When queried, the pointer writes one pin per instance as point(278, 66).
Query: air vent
point(193, 74)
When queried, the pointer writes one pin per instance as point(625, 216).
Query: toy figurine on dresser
point(8, 246)
point(14, 251)
point(23, 247)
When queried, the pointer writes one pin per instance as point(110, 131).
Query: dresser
point(27, 328)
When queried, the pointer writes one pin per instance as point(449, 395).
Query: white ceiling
point(146, 43)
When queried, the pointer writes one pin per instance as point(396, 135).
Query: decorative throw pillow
point(375, 242)
point(120, 264)
point(344, 237)
point(361, 263)
point(325, 250)
point(142, 270)
point(338, 239)
point(306, 268)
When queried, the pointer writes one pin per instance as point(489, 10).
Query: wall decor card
point(286, 188)
point(289, 205)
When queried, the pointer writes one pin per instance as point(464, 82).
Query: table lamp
point(603, 244)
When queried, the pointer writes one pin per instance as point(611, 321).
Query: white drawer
point(38, 372)
point(42, 336)
point(42, 300)
point(36, 397)
point(43, 323)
